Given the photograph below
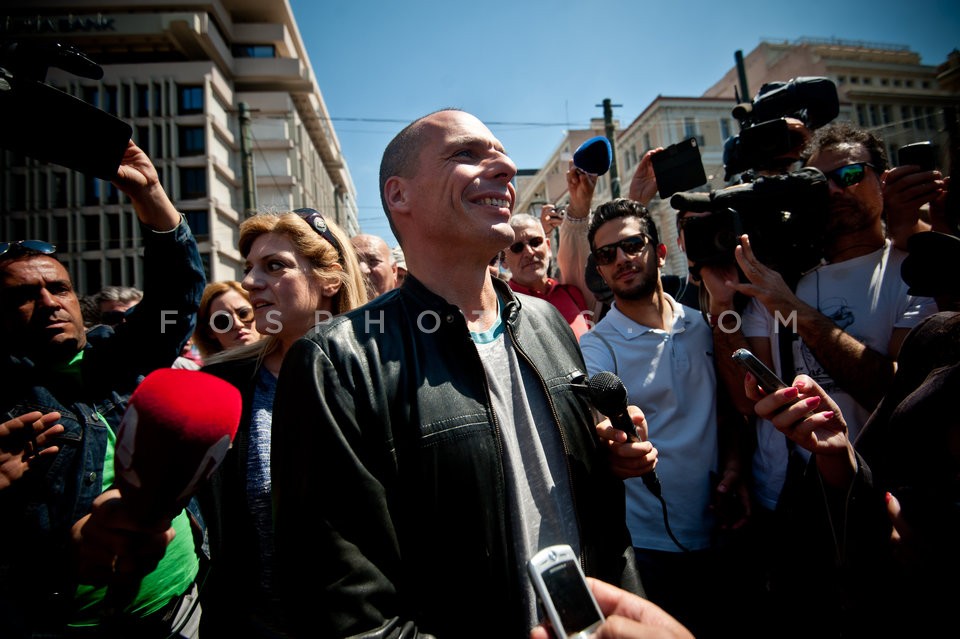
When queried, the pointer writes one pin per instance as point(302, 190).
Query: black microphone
point(594, 156)
point(609, 396)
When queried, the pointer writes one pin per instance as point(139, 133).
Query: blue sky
point(532, 69)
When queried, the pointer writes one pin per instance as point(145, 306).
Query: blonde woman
point(225, 319)
point(300, 268)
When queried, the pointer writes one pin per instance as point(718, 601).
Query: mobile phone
point(678, 167)
point(922, 154)
point(766, 378)
point(563, 592)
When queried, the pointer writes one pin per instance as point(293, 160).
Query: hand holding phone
point(766, 378)
point(563, 591)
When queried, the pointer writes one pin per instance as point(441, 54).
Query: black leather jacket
point(388, 479)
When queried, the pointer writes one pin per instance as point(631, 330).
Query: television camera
point(784, 215)
point(775, 125)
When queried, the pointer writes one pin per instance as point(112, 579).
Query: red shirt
point(567, 298)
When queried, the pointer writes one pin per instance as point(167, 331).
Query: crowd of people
point(418, 421)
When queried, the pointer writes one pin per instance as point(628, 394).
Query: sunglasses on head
point(850, 174)
point(37, 246)
point(534, 242)
point(314, 218)
point(631, 246)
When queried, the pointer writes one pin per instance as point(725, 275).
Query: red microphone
point(176, 430)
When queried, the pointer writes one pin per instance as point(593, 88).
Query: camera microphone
point(694, 202)
point(609, 396)
point(594, 156)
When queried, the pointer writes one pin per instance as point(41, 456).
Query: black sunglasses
point(850, 174)
point(534, 242)
point(631, 246)
point(314, 218)
point(38, 246)
point(223, 320)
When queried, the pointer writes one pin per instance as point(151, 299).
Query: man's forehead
point(528, 229)
point(839, 155)
point(459, 127)
point(34, 268)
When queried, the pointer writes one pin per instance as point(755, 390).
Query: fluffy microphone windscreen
point(594, 156)
point(177, 428)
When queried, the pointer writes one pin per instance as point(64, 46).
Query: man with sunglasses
point(65, 534)
point(850, 315)
point(528, 259)
point(659, 348)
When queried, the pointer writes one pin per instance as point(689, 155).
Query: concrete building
point(178, 73)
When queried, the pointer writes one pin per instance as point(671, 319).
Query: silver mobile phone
point(563, 591)
point(766, 378)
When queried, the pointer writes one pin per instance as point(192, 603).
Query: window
point(887, 113)
point(110, 99)
point(725, 129)
point(931, 118)
point(59, 190)
point(93, 282)
point(190, 99)
point(874, 115)
point(43, 195)
point(91, 191)
point(113, 230)
point(19, 191)
point(906, 117)
point(861, 115)
point(689, 128)
point(158, 100)
point(192, 140)
point(142, 138)
point(193, 183)
point(91, 233)
point(199, 223)
point(143, 100)
point(61, 236)
point(115, 271)
point(158, 144)
point(125, 103)
point(254, 51)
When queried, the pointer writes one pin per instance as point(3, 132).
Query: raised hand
point(22, 440)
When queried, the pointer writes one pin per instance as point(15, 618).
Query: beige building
point(881, 87)
point(178, 73)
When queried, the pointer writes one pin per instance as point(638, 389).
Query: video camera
point(52, 126)
point(766, 140)
point(784, 215)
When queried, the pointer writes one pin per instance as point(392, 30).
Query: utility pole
point(608, 125)
point(246, 161)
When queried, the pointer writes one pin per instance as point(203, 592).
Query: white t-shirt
point(868, 299)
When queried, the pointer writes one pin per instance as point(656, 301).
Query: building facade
point(179, 74)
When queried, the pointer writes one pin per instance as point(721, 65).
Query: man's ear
point(396, 195)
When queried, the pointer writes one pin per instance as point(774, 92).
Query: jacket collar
point(509, 303)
